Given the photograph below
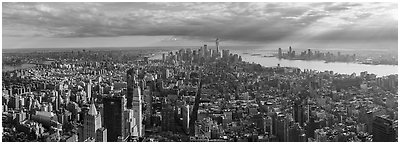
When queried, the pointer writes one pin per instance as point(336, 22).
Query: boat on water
point(255, 54)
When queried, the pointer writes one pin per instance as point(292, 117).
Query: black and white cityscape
point(199, 72)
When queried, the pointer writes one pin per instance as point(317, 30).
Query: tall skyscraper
point(131, 84)
point(91, 123)
point(217, 44)
point(134, 102)
point(383, 130)
point(296, 133)
point(89, 90)
point(279, 53)
point(137, 111)
point(167, 114)
point(148, 99)
point(163, 57)
point(114, 117)
point(205, 51)
point(186, 109)
point(101, 135)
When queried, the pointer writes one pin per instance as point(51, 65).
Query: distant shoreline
point(355, 62)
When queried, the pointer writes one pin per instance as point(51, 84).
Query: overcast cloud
point(246, 22)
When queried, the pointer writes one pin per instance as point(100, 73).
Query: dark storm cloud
point(258, 22)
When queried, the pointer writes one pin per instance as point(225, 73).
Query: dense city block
point(191, 95)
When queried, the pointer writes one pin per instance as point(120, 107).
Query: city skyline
point(199, 72)
point(192, 95)
point(320, 25)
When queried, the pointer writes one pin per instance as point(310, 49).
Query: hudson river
point(337, 67)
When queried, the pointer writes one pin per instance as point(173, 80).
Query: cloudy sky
point(361, 25)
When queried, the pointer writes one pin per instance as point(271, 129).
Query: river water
point(336, 67)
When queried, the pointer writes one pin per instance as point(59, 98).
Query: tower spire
point(92, 110)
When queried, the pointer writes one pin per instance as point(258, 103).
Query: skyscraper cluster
point(207, 94)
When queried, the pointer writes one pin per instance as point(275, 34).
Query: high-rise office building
point(311, 126)
point(217, 44)
point(294, 133)
point(320, 135)
point(167, 114)
point(148, 99)
point(186, 109)
point(101, 135)
point(205, 51)
point(129, 123)
point(280, 127)
point(89, 90)
point(298, 112)
point(114, 117)
point(166, 73)
point(383, 130)
point(225, 54)
point(137, 111)
point(279, 53)
point(163, 57)
point(131, 75)
point(91, 123)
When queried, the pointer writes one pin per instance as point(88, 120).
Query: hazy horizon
point(242, 48)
